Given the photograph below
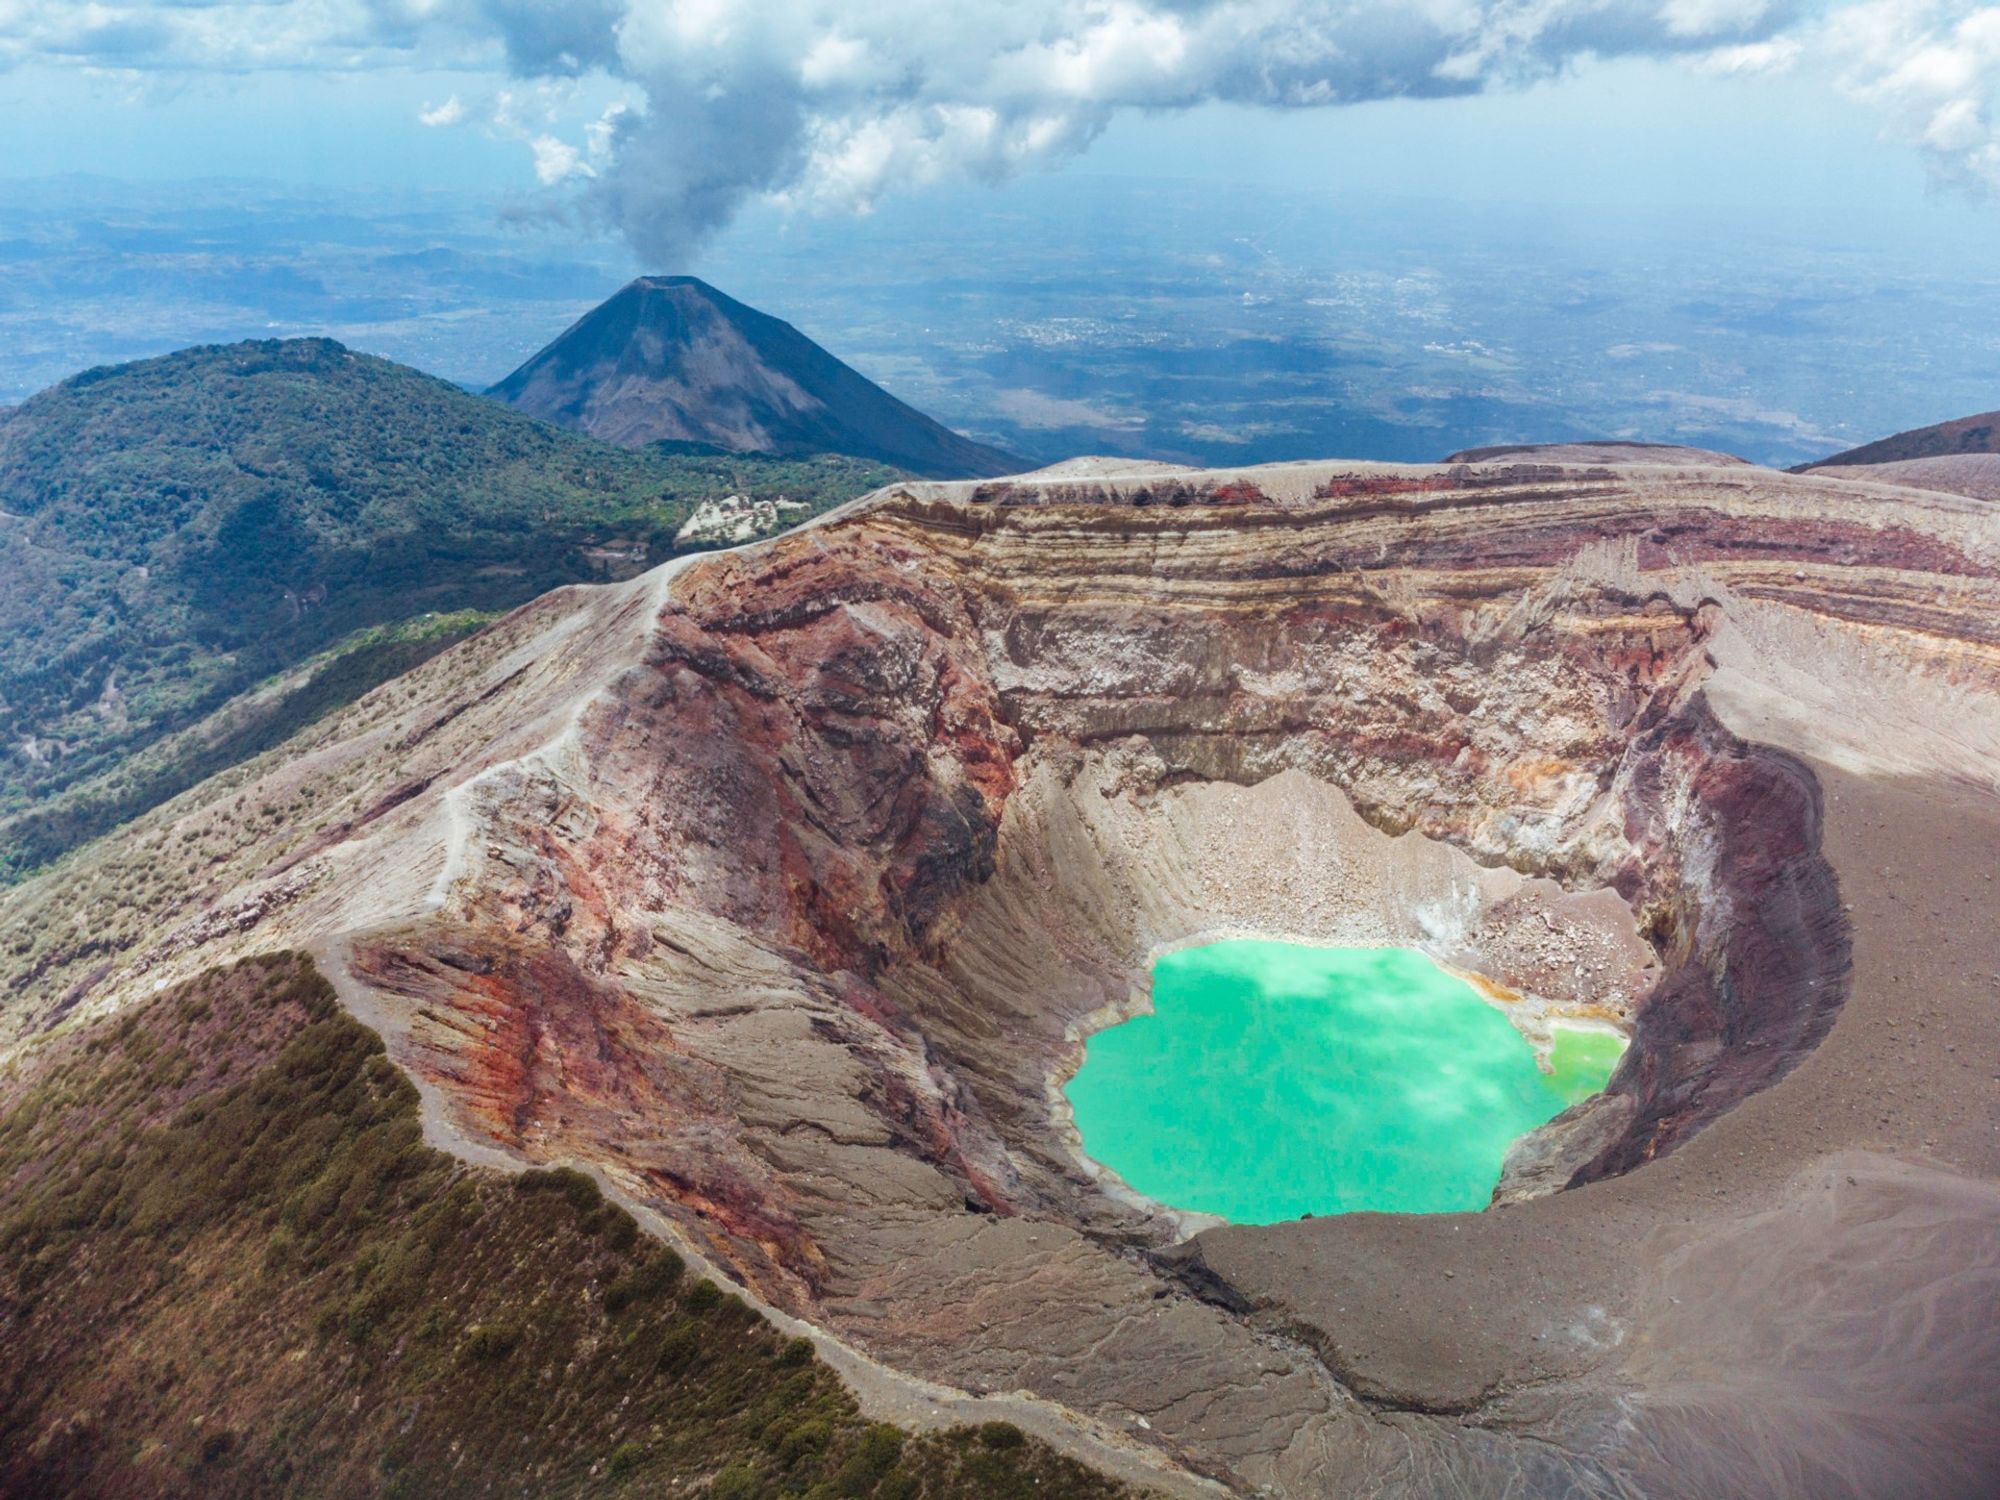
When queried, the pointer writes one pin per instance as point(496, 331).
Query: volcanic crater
point(780, 889)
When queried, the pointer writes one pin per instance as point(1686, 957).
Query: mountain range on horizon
point(669, 359)
point(182, 527)
point(673, 360)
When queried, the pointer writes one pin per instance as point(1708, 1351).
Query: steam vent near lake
point(799, 893)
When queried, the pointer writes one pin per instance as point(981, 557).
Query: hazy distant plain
point(1081, 313)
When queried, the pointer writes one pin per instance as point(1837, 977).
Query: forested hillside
point(175, 531)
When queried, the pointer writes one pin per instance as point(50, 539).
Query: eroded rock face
point(824, 738)
point(783, 888)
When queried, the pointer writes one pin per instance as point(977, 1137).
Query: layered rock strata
point(781, 888)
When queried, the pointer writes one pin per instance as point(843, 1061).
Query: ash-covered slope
point(778, 887)
point(671, 359)
point(1973, 474)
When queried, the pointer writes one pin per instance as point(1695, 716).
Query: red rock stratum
point(781, 887)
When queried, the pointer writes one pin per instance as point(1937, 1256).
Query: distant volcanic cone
point(671, 359)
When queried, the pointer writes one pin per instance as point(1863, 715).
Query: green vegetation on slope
point(230, 1267)
point(247, 725)
point(174, 531)
point(123, 896)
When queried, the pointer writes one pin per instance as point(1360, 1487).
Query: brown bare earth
point(779, 890)
point(1595, 453)
point(1974, 434)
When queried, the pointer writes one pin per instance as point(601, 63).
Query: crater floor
point(777, 889)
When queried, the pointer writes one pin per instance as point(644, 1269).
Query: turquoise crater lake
point(1274, 1080)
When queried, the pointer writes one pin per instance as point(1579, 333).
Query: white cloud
point(1775, 56)
point(438, 116)
point(1933, 68)
point(1712, 18)
point(535, 114)
point(602, 133)
point(836, 61)
point(1045, 413)
point(209, 36)
point(829, 104)
point(557, 161)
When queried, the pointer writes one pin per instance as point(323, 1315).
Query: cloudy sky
point(661, 121)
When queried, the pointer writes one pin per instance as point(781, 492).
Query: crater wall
point(780, 887)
